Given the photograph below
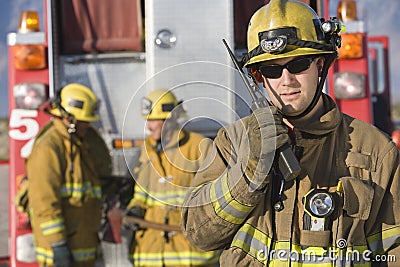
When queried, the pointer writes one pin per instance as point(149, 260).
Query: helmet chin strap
point(329, 60)
point(71, 130)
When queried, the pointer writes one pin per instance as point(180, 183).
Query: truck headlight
point(29, 95)
point(349, 85)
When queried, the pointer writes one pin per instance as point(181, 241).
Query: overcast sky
point(382, 20)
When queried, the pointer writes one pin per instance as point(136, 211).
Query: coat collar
point(328, 122)
point(63, 131)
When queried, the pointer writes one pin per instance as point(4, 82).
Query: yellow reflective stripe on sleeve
point(140, 194)
point(225, 206)
point(173, 197)
point(78, 190)
point(188, 258)
point(379, 243)
point(44, 256)
point(52, 226)
point(154, 198)
point(278, 253)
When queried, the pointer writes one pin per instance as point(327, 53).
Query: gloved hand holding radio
point(62, 255)
point(266, 133)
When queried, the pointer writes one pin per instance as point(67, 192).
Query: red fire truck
point(101, 44)
point(360, 79)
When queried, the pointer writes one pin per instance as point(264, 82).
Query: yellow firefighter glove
point(266, 132)
point(21, 198)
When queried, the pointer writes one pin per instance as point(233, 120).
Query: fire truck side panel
point(378, 48)
point(192, 60)
point(24, 124)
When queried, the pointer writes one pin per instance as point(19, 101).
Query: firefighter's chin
point(294, 108)
point(289, 110)
point(155, 135)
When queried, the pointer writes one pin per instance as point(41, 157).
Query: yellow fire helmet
point(286, 28)
point(76, 100)
point(161, 104)
point(289, 28)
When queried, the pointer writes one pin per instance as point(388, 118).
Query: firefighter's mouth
point(290, 94)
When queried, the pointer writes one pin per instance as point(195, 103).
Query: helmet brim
point(304, 51)
point(56, 112)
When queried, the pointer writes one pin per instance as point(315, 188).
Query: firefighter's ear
point(256, 74)
point(320, 65)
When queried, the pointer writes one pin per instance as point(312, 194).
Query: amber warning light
point(29, 22)
point(352, 41)
point(347, 10)
point(29, 56)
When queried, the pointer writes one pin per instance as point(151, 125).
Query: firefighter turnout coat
point(350, 159)
point(64, 195)
point(162, 181)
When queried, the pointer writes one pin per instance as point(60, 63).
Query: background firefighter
point(64, 170)
point(346, 197)
point(169, 159)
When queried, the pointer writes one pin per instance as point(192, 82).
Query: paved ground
point(3, 210)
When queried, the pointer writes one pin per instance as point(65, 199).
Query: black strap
point(290, 41)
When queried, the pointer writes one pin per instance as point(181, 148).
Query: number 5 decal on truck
point(24, 127)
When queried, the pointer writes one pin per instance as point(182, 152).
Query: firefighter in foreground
point(345, 201)
point(170, 157)
point(64, 170)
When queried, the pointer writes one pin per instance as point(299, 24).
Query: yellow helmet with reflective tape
point(286, 28)
point(76, 100)
point(160, 104)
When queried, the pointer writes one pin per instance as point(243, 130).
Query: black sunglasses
point(294, 66)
